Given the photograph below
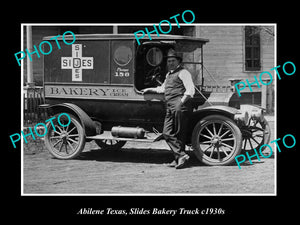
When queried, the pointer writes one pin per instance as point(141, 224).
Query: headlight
point(257, 114)
point(242, 116)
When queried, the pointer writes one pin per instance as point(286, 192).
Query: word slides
point(261, 147)
point(30, 133)
point(164, 21)
point(23, 54)
point(260, 77)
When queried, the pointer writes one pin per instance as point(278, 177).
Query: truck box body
point(97, 74)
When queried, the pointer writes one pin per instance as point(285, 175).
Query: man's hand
point(182, 101)
point(144, 90)
point(147, 90)
point(185, 98)
point(178, 106)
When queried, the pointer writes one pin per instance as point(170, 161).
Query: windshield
point(192, 58)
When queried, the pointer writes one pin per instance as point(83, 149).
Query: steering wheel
point(153, 77)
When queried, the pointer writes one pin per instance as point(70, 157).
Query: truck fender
point(215, 109)
point(239, 116)
point(87, 123)
point(230, 112)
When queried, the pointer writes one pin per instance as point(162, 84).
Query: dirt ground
point(139, 168)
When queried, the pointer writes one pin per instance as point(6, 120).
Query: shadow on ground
point(146, 155)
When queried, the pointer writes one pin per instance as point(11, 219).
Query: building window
point(252, 48)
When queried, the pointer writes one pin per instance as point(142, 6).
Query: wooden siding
point(224, 54)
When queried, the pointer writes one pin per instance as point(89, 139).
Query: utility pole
point(30, 82)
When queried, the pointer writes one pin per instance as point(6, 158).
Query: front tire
point(65, 142)
point(216, 140)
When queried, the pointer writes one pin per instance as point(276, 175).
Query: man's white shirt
point(187, 80)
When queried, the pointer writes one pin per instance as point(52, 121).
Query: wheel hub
point(246, 133)
point(216, 141)
point(64, 135)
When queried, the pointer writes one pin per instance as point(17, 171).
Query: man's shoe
point(182, 161)
point(172, 164)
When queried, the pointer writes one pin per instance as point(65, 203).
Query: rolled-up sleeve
point(160, 89)
point(188, 83)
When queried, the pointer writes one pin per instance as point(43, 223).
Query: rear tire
point(113, 145)
point(216, 140)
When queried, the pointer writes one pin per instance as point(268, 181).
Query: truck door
point(151, 65)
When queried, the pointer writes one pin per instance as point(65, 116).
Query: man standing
point(178, 88)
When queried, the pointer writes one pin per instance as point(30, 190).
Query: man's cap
point(173, 53)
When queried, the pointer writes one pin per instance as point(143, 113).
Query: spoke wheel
point(216, 140)
point(110, 144)
point(255, 134)
point(107, 144)
point(65, 142)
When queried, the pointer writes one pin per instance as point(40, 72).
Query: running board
point(106, 135)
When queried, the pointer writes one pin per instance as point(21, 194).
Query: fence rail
point(32, 98)
point(219, 89)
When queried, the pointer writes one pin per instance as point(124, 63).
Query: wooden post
point(30, 82)
point(115, 29)
point(264, 95)
point(234, 81)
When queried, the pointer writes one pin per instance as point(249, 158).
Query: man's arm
point(188, 83)
point(158, 89)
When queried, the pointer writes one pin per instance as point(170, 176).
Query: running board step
point(106, 135)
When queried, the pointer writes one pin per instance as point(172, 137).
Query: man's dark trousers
point(175, 126)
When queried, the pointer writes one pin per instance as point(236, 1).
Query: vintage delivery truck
point(98, 80)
